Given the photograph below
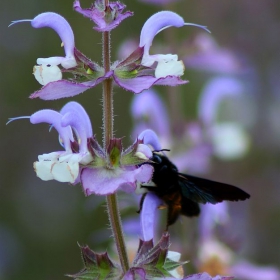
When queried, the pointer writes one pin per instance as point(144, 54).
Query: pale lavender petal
point(141, 83)
point(83, 116)
point(54, 118)
point(64, 88)
point(62, 28)
point(149, 109)
point(102, 181)
point(214, 91)
point(149, 137)
point(131, 226)
point(144, 149)
point(75, 116)
point(154, 24)
point(248, 271)
point(148, 214)
point(143, 174)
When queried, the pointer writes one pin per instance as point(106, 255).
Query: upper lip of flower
point(152, 27)
point(65, 32)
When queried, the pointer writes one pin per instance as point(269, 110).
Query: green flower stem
point(115, 222)
point(112, 203)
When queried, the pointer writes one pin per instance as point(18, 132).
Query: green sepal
point(152, 258)
point(86, 70)
point(171, 265)
point(130, 156)
point(97, 267)
point(133, 59)
point(114, 150)
point(131, 67)
point(125, 74)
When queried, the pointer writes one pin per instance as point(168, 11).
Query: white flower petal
point(43, 170)
point(169, 68)
point(65, 171)
point(45, 74)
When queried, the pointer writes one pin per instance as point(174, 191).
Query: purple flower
point(151, 202)
point(206, 276)
point(159, 2)
point(48, 73)
point(100, 171)
point(247, 271)
point(149, 111)
point(137, 72)
point(209, 56)
point(106, 18)
point(64, 166)
point(213, 93)
point(64, 31)
point(229, 139)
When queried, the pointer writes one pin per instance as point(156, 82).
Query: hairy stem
point(108, 133)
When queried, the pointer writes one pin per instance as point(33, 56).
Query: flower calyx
point(105, 17)
point(155, 260)
point(115, 157)
point(97, 266)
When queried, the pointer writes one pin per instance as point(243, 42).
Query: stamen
point(197, 25)
point(17, 118)
point(17, 21)
point(191, 24)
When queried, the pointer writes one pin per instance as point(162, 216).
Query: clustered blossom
point(135, 73)
point(100, 171)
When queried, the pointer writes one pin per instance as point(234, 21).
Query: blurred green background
point(41, 222)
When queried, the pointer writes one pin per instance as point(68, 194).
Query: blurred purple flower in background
point(205, 276)
point(150, 112)
point(229, 139)
point(209, 56)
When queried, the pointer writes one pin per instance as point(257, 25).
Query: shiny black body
point(182, 193)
